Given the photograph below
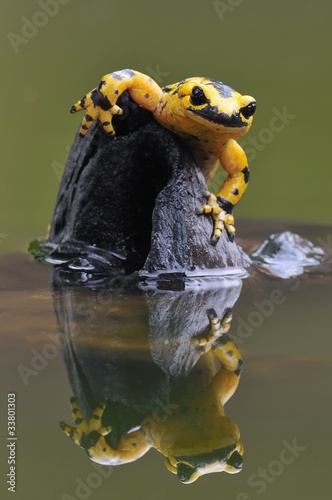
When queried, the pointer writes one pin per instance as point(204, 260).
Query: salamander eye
point(248, 110)
point(184, 472)
point(197, 96)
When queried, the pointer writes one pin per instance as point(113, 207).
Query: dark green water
point(125, 345)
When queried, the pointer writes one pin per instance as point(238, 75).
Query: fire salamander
point(207, 114)
point(195, 437)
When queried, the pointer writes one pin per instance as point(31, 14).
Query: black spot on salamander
point(239, 367)
point(104, 450)
point(84, 127)
point(246, 174)
point(75, 410)
point(106, 123)
point(89, 440)
point(225, 204)
point(146, 96)
point(78, 421)
point(163, 106)
point(229, 353)
point(100, 100)
point(88, 118)
point(95, 417)
point(116, 92)
point(224, 90)
point(82, 102)
point(235, 191)
point(206, 140)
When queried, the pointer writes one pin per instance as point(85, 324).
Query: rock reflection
point(152, 369)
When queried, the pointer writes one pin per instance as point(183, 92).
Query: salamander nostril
point(249, 110)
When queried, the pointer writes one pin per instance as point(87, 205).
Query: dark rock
point(132, 198)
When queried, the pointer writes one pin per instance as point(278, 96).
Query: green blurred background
point(277, 51)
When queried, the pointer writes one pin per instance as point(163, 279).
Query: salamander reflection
point(152, 370)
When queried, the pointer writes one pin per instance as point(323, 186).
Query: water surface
point(134, 349)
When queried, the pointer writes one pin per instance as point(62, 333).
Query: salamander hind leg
point(97, 107)
point(84, 427)
point(101, 103)
point(91, 435)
